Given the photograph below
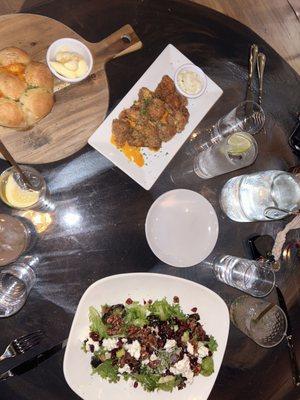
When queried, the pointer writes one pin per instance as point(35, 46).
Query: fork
point(22, 344)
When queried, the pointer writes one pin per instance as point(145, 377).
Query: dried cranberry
point(94, 336)
point(95, 362)
point(129, 301)
point(135, 385)
point(175, 299)
point(197, 369)
point(92, 348)
point(160, 343)
point(210, 353)
point(154, 364)
point(150, 301)
point(194, 309)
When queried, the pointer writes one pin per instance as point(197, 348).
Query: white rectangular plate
point(165, 64)
point(139, 286)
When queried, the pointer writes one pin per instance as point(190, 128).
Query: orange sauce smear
point(131, 152)
point(15, 69)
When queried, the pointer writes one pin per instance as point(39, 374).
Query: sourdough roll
point(11, 114)
point(26, 89)
point(12, 55)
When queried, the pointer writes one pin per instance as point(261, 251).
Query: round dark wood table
point(98, 227)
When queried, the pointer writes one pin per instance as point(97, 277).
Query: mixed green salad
point(153, 344)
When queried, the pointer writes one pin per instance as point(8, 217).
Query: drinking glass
point(236, 151)
point(16, 281)
point(262, 196)
point(247, 117)
point(246, 275)
point(15, 193)
point(261, 321)
point(16, 237)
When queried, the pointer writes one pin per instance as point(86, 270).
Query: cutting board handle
point(121, 42)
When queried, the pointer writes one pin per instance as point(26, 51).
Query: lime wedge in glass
point(238, 143)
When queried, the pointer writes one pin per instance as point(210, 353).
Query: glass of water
point(15, 193)
point(262, 196)
point(233, 152)
point(261, 321)
point(247, 117)
point(247, 275)
point(17, 235)
point(16, 281)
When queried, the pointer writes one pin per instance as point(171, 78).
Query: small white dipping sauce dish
point(190, 80)
point(72, 46)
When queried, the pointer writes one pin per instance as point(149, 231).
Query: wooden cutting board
point(79, 108)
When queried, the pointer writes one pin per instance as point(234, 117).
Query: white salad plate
point(139, 286)
point(166, 63)
point(182, 228)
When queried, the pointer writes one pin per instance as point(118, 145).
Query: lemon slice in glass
point(238, 143)
point(18, 197)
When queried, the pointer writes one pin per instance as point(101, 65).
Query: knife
point(252, 66)
point(289, 339)
point(33, 362)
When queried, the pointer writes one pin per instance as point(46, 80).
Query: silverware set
point(22, 344)
point(256, 60)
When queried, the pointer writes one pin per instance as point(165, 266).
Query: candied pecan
point(129, 301)
point(199, 332)
point(133, 332)
point(194, 309)
point(115, 322)
point(144, 352)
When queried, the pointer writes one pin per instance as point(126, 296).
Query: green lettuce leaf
point(107, 371)
point(212, 344)
point(136, 314)
point(148, 381)
point(96, 323)
point(168, 383)
point(207, 366)
point(165, 311)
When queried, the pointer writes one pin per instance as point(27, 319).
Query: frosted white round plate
point(182, 228)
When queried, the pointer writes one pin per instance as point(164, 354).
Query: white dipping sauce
point(189, 82)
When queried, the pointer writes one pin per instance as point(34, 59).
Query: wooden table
point(276, 21)
point(98, 227)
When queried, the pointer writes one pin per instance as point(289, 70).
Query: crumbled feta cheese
point(126, 368)
point(110, 344)
point(183, 368)
point(145, 362)
point(202, 352)
point(170, 344)
point(134, 349)
point(190, 348)
point(95, 344)
point(153, 357)
point(124, 340)
point(107, 356)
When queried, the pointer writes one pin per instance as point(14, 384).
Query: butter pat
point(69, 64)
point(189, 82)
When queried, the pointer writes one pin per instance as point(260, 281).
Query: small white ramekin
point(75, 46)
point(194, 68)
